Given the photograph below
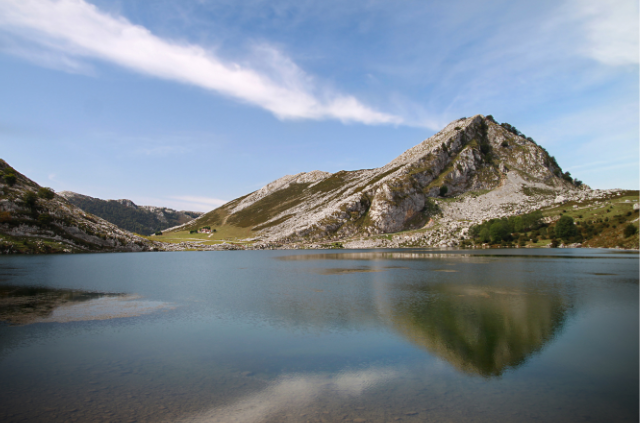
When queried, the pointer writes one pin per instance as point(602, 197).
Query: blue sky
point(191, 103)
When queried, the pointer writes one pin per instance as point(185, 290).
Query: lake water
point(308, 336)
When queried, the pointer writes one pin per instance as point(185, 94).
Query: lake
point(320, 336)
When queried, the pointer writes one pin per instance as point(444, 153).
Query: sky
point(192, 103)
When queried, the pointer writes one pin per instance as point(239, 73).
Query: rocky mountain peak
point(469, 155)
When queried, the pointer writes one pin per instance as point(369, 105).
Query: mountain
point(144, 220)
point(34, 219)
point(474, 169)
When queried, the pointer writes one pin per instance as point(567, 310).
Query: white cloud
point(293, 393)
point(611, 29)
point(74, 28)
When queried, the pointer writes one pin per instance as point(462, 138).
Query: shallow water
point(281, 336)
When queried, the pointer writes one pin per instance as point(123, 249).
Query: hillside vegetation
point(127, 215)
point(34, 219)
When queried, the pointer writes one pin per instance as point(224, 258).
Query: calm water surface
point(281, 336)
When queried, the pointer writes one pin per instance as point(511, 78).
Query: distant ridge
point(127, 215)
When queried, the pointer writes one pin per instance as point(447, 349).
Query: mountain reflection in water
point(480, 327)
point(480, 330)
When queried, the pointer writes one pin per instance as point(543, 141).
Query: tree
point(46, 193)
point(532, 220)
point(518, 224)
point(630, 230)
point(565, 228)
point(485, 235)
point(499, 231)
point(443, 190)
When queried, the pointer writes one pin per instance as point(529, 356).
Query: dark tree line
point(130, 219)
point(520, 229)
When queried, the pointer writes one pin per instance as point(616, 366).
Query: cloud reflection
point(291, 394)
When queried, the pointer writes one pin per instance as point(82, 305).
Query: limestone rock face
point(469, 156)
point(280, 184)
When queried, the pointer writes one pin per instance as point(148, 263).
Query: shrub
point(5, 217)
point(511, 129)
point(45, 218)
point(443, 190)
point(457, 128)
point(46, 193)
point(30, 199)
point(567, 177)
point(630, 230)
point(505, 144)
point(158, 233)
point(9, 178)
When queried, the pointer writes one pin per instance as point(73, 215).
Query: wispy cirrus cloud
point(611, 28)
point(76, 29)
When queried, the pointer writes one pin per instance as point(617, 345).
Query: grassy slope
point(246, 222)
point(29, 245)
point(614, 209)
point(585, 212)
point(224, 233)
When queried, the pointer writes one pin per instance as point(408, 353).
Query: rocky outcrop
point(34, 219)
